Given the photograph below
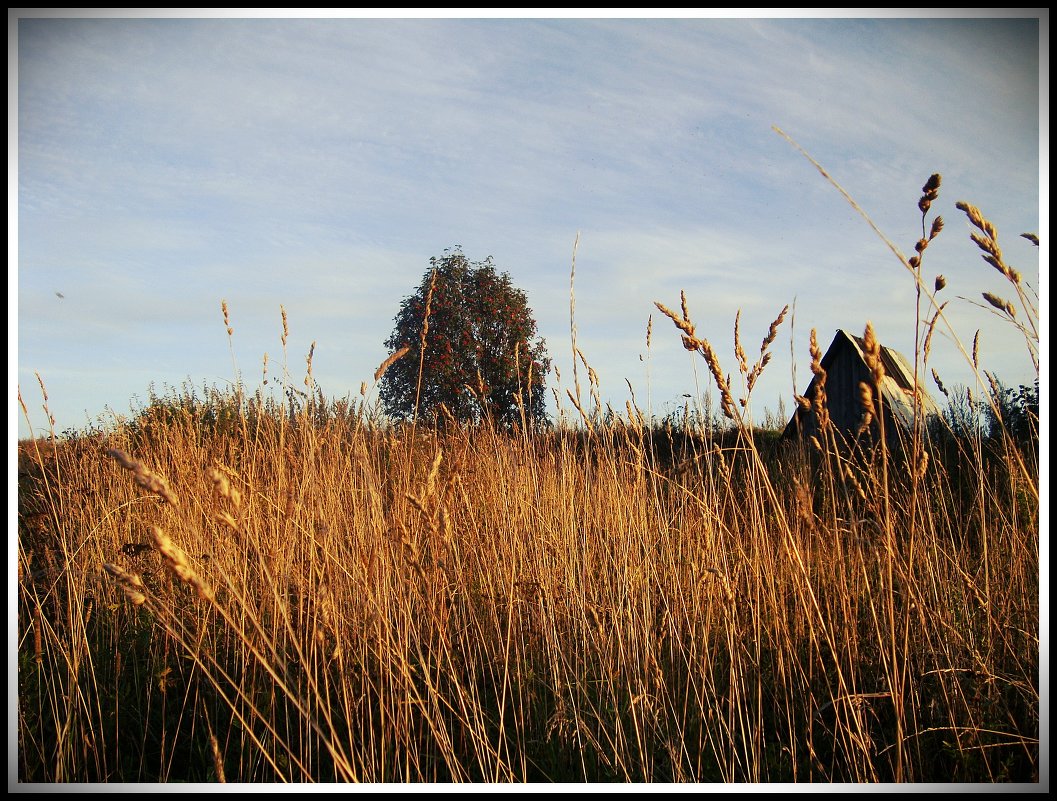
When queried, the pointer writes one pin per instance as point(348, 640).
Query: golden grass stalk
point(866, 401)
point(1000, 303)
point(308, 360)
point(38, 634)
point(572, 317)
point(177, 562)
point(143, 476)
point(712, 360)
point(586, 418)
point(988, 242)
point(872, 352)
point(214, 747)
point(937, 226)
point(977, 218)
point(849, 473)
point(44, 395)
point(422, 343)
point(930, 191)
point(227, 519)
point(939, 383)
point(694, 343)
point(555, 575)
point(592, 379)
point(922, 465)
point(428, 310)
point(819, 402)
point(739, 351)
point(681, 322)
point(930, 329)
point(389, 361)
point(223, 487)
point(130, 583)
point(765, 356)
point(434, 470)
point(43, 389)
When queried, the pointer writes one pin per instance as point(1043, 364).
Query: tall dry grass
point(230, 589)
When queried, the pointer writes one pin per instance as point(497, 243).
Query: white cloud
point(164, 165)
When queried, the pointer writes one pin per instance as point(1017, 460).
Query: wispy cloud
point(166, 164)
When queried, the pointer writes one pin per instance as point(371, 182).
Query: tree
point(481, 358)
point(1018, 411)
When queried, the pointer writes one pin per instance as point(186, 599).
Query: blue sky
point(167, 164)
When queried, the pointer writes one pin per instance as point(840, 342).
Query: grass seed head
point(872, 352)
point(385, 365)
point(939, 383)
point(229, 521)
point(739, 351)
point(866, 400)
point(765, 357)
point(1000, 303)
point(223, 486)
point(937, 226)
point(772, 331)
point(930, 191)
point(308, 359)
point(682, 323)
point(927, 349)
point(922, 465)
point(130, 583)
point(176, 561)
point(977, 218)
point(143, 476)
point(819, 402)
point(425, 313)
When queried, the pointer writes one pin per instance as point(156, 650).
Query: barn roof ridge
point(897, 387)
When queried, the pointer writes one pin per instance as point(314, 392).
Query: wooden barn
point(845, 366)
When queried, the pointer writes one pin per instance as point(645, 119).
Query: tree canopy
point(472, 347)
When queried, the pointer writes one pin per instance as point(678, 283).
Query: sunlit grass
point(232, 588)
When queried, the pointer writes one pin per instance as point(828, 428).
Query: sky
point(162, 165)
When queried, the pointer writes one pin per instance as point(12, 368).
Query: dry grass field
point(230, 588)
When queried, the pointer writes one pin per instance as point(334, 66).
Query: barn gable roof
point(897, 386)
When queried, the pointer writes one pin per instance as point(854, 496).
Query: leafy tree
point(482, 358)
point(1012, 412)
point(1018, 411)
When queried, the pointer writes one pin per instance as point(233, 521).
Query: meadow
point(232, 588)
